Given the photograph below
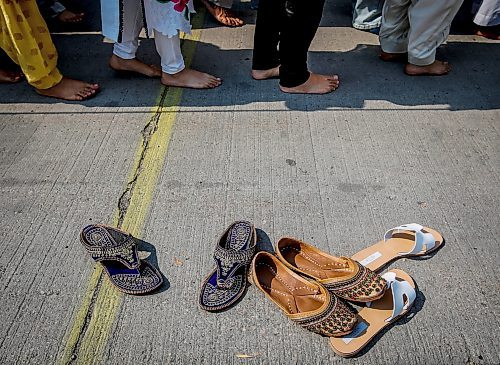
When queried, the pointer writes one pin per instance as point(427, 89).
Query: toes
point(334, 83)
point(213, 83)
point(90, 91)
point(88, 94)
point(83, 93)
point(78, 96)
point(93, 87)
point(15, 77)
point(332, 79)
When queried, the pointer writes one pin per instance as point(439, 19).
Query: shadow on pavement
point(152, 259)
point(264, 243)
point(365, 80)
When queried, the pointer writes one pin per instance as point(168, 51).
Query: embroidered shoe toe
point(307, 303)
point(342, 276)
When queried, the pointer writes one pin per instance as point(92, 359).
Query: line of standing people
point(410, 31)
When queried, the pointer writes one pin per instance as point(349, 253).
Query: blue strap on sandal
point(233, 254)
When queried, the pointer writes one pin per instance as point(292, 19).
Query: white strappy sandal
point(407, 240)
point(377, 315)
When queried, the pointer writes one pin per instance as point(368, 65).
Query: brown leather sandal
point(306, 303)
point(340, 275)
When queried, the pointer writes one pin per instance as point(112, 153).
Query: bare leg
point(191, 79)
point(266, 74)
point(437, 68)
point(222, 15)
point(315, 84)
point(393, 57)
point(69, 89)
point(134, 65)
point(10, 77)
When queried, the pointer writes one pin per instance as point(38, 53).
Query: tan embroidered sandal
point(306, 303)
point(377, 315)
point(407, 240)
point(342, 276)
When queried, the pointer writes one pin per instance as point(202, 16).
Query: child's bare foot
point(315, 84)
point(437, 68)
point(222, 15)
point(393, 57)
point(10, 77)
point(266, 74)
point(69, 89)
point(133, 65)
point(69, 17)
point(192, 79)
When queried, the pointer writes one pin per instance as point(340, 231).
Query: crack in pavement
point(147, 133)
point(88, 317)
point(123, 203)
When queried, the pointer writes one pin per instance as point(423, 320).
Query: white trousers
point(418, 27)
point(168, 48)
point(487, 12)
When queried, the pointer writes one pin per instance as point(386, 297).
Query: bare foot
point(10, 77)
point(69, 17)
point(222, 15)
point(488, 32)
point(393, 57)
point(192, 79)
point(315, 84)
point(69, 89)
point(266, 74)
point(437, 68)
point(133, 65)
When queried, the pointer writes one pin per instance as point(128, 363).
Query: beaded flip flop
point(225, 285)
point(117, 252)
point(309, 304)
point(342, 276)
point(377, 315)
point(407, 240)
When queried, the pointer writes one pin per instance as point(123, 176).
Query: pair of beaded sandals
point(312, 287)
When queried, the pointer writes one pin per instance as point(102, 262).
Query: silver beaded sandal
point(227, 283)
point(117, 252)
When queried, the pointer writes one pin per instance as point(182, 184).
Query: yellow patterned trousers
point(25, 38)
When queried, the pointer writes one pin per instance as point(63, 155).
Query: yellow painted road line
point(94, 320)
